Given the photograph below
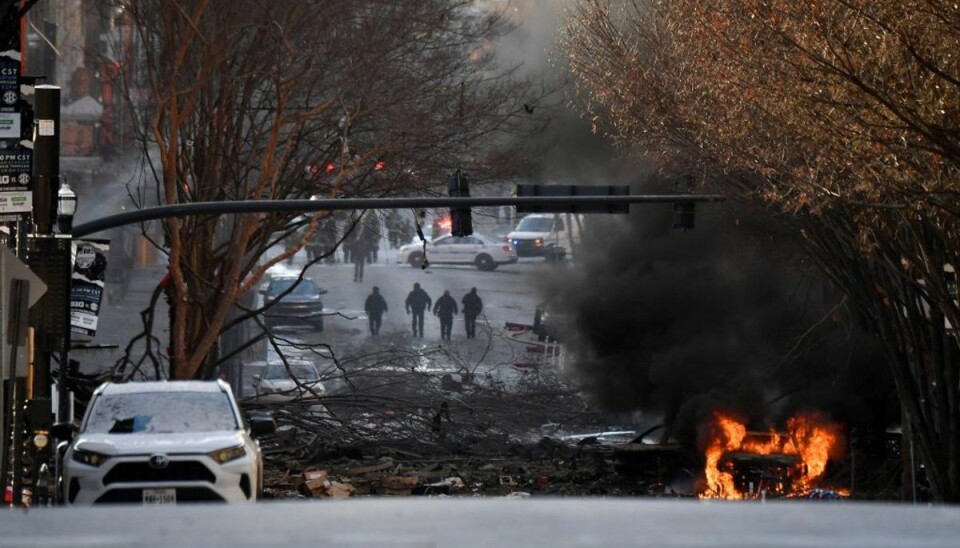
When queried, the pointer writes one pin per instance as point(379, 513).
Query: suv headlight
point(90, 458)
point(228, 454)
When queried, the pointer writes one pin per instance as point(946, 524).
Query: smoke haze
point(727, 316)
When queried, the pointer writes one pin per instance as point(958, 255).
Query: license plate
point(159, 496)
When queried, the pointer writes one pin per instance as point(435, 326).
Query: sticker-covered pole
point(46, 157)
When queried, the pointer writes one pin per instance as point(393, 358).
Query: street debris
point(549, 467)
point(403, 428)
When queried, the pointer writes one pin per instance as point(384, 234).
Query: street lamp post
point(66, 209)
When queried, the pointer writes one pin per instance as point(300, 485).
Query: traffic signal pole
point(342, 204)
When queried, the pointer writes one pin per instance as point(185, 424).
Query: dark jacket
point(472, 305)
point(375, 305)
point(418, 301)
point(446, 306)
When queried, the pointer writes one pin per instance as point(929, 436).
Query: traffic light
point(461, 224)
point(573, 190)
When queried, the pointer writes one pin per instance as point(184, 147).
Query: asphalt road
point(488, 522)
point(510, 294)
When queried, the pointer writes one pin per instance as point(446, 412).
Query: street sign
point(10, 126)
point(9, 85)
point(16, 192)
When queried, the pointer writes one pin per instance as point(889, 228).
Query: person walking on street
point(417, 302)
point(371, 237)
point(472, 306)
point(347, 247)
point(375, 306)
point(358, 253)
point(445, 309)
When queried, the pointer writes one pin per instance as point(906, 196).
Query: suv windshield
point(535, 224)
point(305, 287)
point(161, 412)
point(302, 371)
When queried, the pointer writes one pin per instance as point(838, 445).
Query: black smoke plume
point(729, 316)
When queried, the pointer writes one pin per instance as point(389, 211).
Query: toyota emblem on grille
point(158, 462)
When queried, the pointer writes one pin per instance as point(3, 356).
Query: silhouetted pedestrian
point(472, 306)
point(327, 235)
point(371, 237)
point(347, 247)
point(375, 306)
point(445, 309)
point(358, 254)
point(315, 248)
point(417, 302)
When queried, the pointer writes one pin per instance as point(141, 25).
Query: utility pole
point(49, 256)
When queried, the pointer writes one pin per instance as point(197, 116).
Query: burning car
point(742, 464)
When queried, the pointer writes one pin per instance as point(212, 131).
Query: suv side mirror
point(262, 425)
point(321, 292)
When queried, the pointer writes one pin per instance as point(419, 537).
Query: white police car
point(480, 251)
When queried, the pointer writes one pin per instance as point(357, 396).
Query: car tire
point(416, 259)
point(485, 262)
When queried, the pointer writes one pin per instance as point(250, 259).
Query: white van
point(549, 235)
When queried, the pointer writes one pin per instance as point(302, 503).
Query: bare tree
point(257, 99)
point(842, 113)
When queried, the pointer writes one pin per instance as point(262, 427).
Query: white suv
point(163, 443)
point(545, 235)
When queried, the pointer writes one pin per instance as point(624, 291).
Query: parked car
point(164, 443)
point(544, 235)
point(290, 300)
point(275, 383)
point(480, 251)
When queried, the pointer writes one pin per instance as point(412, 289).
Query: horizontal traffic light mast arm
point(338, 204)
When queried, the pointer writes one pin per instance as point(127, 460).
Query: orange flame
point(810, 438)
